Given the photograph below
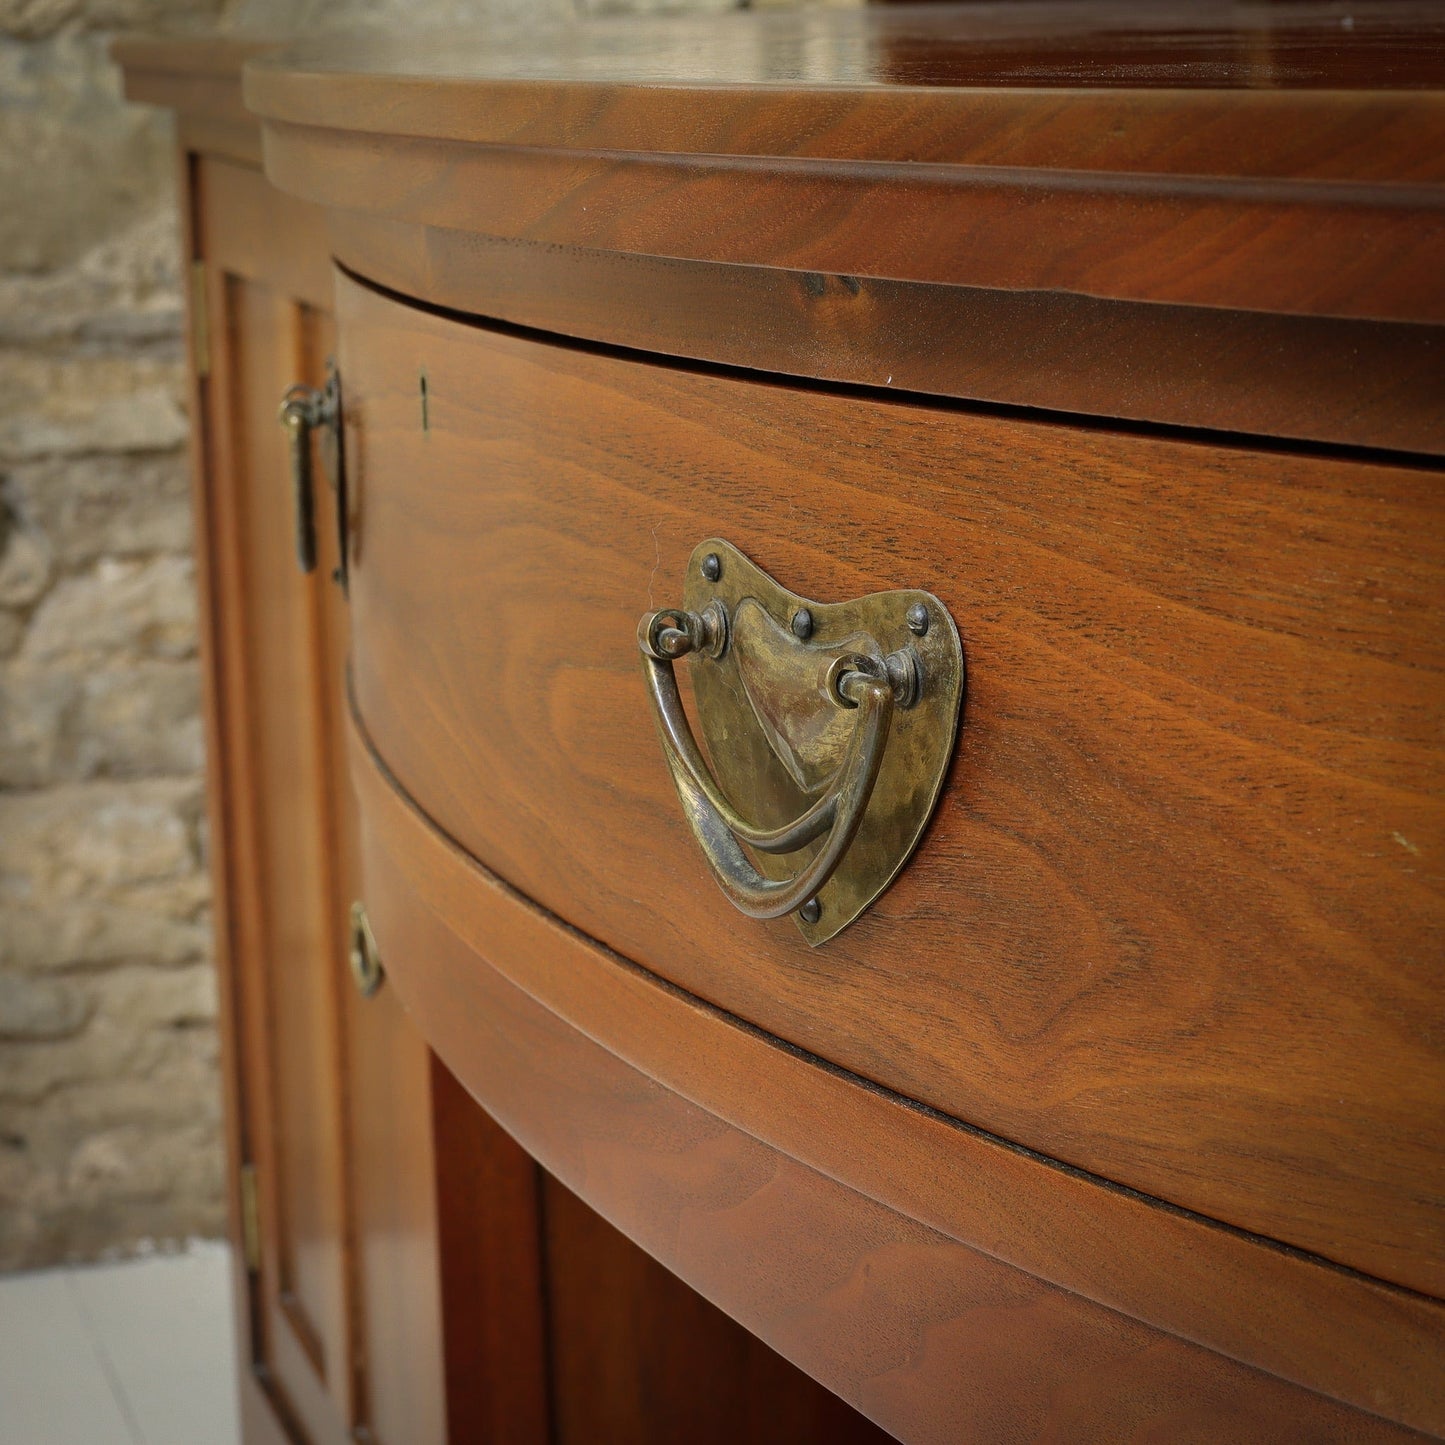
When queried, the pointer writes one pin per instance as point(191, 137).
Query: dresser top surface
point(1306, 91)
point(1089, 44)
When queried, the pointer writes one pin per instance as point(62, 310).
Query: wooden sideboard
point(1110, 1104)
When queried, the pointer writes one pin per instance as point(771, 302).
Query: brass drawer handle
point(308, 410)
point(776, 681)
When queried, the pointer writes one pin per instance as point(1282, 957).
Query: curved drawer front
point(1177, 920)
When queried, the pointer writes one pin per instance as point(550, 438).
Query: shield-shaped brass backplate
point(775, 736)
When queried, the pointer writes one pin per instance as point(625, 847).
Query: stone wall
point(109, 1106)
point(109, 1096)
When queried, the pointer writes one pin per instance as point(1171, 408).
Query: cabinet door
point(329, 1096)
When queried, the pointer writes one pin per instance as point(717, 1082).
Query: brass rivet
point(802, 624)
point(918, 619)
point(811, 911)
point(712, 566)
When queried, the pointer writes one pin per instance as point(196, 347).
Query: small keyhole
point(425, 417)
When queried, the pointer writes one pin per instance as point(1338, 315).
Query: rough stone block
point(266, 17)
point(33, 1008)
point(119, 609)
point(77, 164)
point(33, 19)
point(162, 925)
point(24, 559)
point(124, 292)
point(12, 632)
point(141, 1054)
point(83, 404)
point(651, 7)
point(80, 1176)
point(139, 997)
point(96, 841)
point(96, 506)
point(67, 724)
point(106, 505)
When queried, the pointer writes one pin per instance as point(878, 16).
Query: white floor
point(138, 1353)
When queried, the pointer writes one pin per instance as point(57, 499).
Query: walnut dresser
point(830, 699)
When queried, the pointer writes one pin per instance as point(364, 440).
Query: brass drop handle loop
point(308, 411)
point(855, 681)
point(300, 409)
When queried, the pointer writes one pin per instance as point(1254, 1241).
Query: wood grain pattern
point(494, 1287)
point(1355, 1339)
point(253, 231)
point(1361, 383)
point(385, 1084)
point(1178, 918)
point(933, 1340)
point(1160, 86)
point(260, 1425)
point(638, 1358)
point(560, 1328)
point(1270, 245)
point(280, 888)
point(198, 77)
point(891, 146)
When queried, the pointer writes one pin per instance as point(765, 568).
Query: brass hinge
point(250, 1220)
point(200, 320)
